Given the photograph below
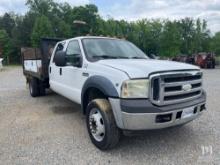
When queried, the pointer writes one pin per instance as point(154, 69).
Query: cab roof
point(93, 37)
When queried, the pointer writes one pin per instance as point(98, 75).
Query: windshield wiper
point(105, 57)
point(123, 57)
point(138, 57)
point(116, 57)
point(110, 57)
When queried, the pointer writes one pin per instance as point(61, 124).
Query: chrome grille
point(175, 87)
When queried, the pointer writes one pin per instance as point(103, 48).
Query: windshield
point(104, 48)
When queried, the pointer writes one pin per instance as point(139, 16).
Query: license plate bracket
point(187, 112)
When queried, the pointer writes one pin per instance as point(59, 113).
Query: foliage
point(42, 28)
point(6, 45)
point(215, 45)
point(170, 39)
point(48, 18)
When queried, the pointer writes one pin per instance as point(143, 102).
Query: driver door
point(72, 77)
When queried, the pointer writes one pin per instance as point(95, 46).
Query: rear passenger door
point(54, 71)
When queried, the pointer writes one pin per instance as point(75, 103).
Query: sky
point(132, 10)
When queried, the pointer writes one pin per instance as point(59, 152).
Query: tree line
point(47, 18)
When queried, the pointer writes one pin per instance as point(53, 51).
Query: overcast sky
point(137, 9)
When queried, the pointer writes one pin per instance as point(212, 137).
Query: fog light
point(202, 107)
point(178, 115)
point(163, 118)
point(195, 110)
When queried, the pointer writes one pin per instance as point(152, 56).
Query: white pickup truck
point(118, 86)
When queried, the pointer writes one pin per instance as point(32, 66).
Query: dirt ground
point(52, 130)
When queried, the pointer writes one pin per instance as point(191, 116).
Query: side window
point(73, 53)
point(73, 48)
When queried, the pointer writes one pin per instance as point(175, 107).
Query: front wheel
point(101, 125)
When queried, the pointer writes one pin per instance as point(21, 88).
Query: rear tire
point(34, 87)
point(42, 90)
point(101, 124)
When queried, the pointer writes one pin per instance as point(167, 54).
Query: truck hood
point(140, 68)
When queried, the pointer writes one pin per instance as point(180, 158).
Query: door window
point(73, 53)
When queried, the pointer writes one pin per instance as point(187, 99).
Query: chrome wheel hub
point(96, 124)
point(31, 89)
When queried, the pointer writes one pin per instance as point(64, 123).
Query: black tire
point(42, 89)
point(34, 87)
point(112, 133)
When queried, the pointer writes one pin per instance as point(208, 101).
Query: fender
point(101, 83)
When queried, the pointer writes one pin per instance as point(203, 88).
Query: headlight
point(135, 88)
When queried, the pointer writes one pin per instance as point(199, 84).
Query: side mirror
point(60, 58)
point(74, 60)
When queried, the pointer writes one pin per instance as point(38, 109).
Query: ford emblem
point(187, 87)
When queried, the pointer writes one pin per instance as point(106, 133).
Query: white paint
point(140, 68)
point(32, 65)
point(70, 83)
point(1, 66)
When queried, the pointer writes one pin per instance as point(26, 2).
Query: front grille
point(175, 87)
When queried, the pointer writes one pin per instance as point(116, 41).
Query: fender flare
point(101, 83)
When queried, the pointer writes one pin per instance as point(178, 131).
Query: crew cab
point(119, 87)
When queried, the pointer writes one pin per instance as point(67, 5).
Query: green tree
point(41, 7)
point(88, 14)
point(201, 37)
point(187, 33)
point(6, 44)
point(170, 39)
point(24, 28)
point(62, 29)
point(7, 23)
point(42, 28)
point(215, 44)
point(49, 18)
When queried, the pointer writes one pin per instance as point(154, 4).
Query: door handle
point(61, 71)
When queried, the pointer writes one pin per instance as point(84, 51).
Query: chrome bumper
point(148, 121)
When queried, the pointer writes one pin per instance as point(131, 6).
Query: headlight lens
point(135, 88)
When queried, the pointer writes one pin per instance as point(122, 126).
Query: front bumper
point(142, 115)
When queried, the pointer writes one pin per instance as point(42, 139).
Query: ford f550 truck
point(118, 86)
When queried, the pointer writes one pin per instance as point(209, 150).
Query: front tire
point(101, 124)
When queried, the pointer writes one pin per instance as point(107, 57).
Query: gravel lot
point(52, 130)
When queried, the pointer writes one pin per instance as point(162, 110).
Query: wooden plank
point(31, 53)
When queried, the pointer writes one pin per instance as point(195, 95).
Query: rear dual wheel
point(36, 88)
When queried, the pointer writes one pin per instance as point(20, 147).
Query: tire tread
point(105, 107)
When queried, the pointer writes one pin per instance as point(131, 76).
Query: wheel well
point(91, 94)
